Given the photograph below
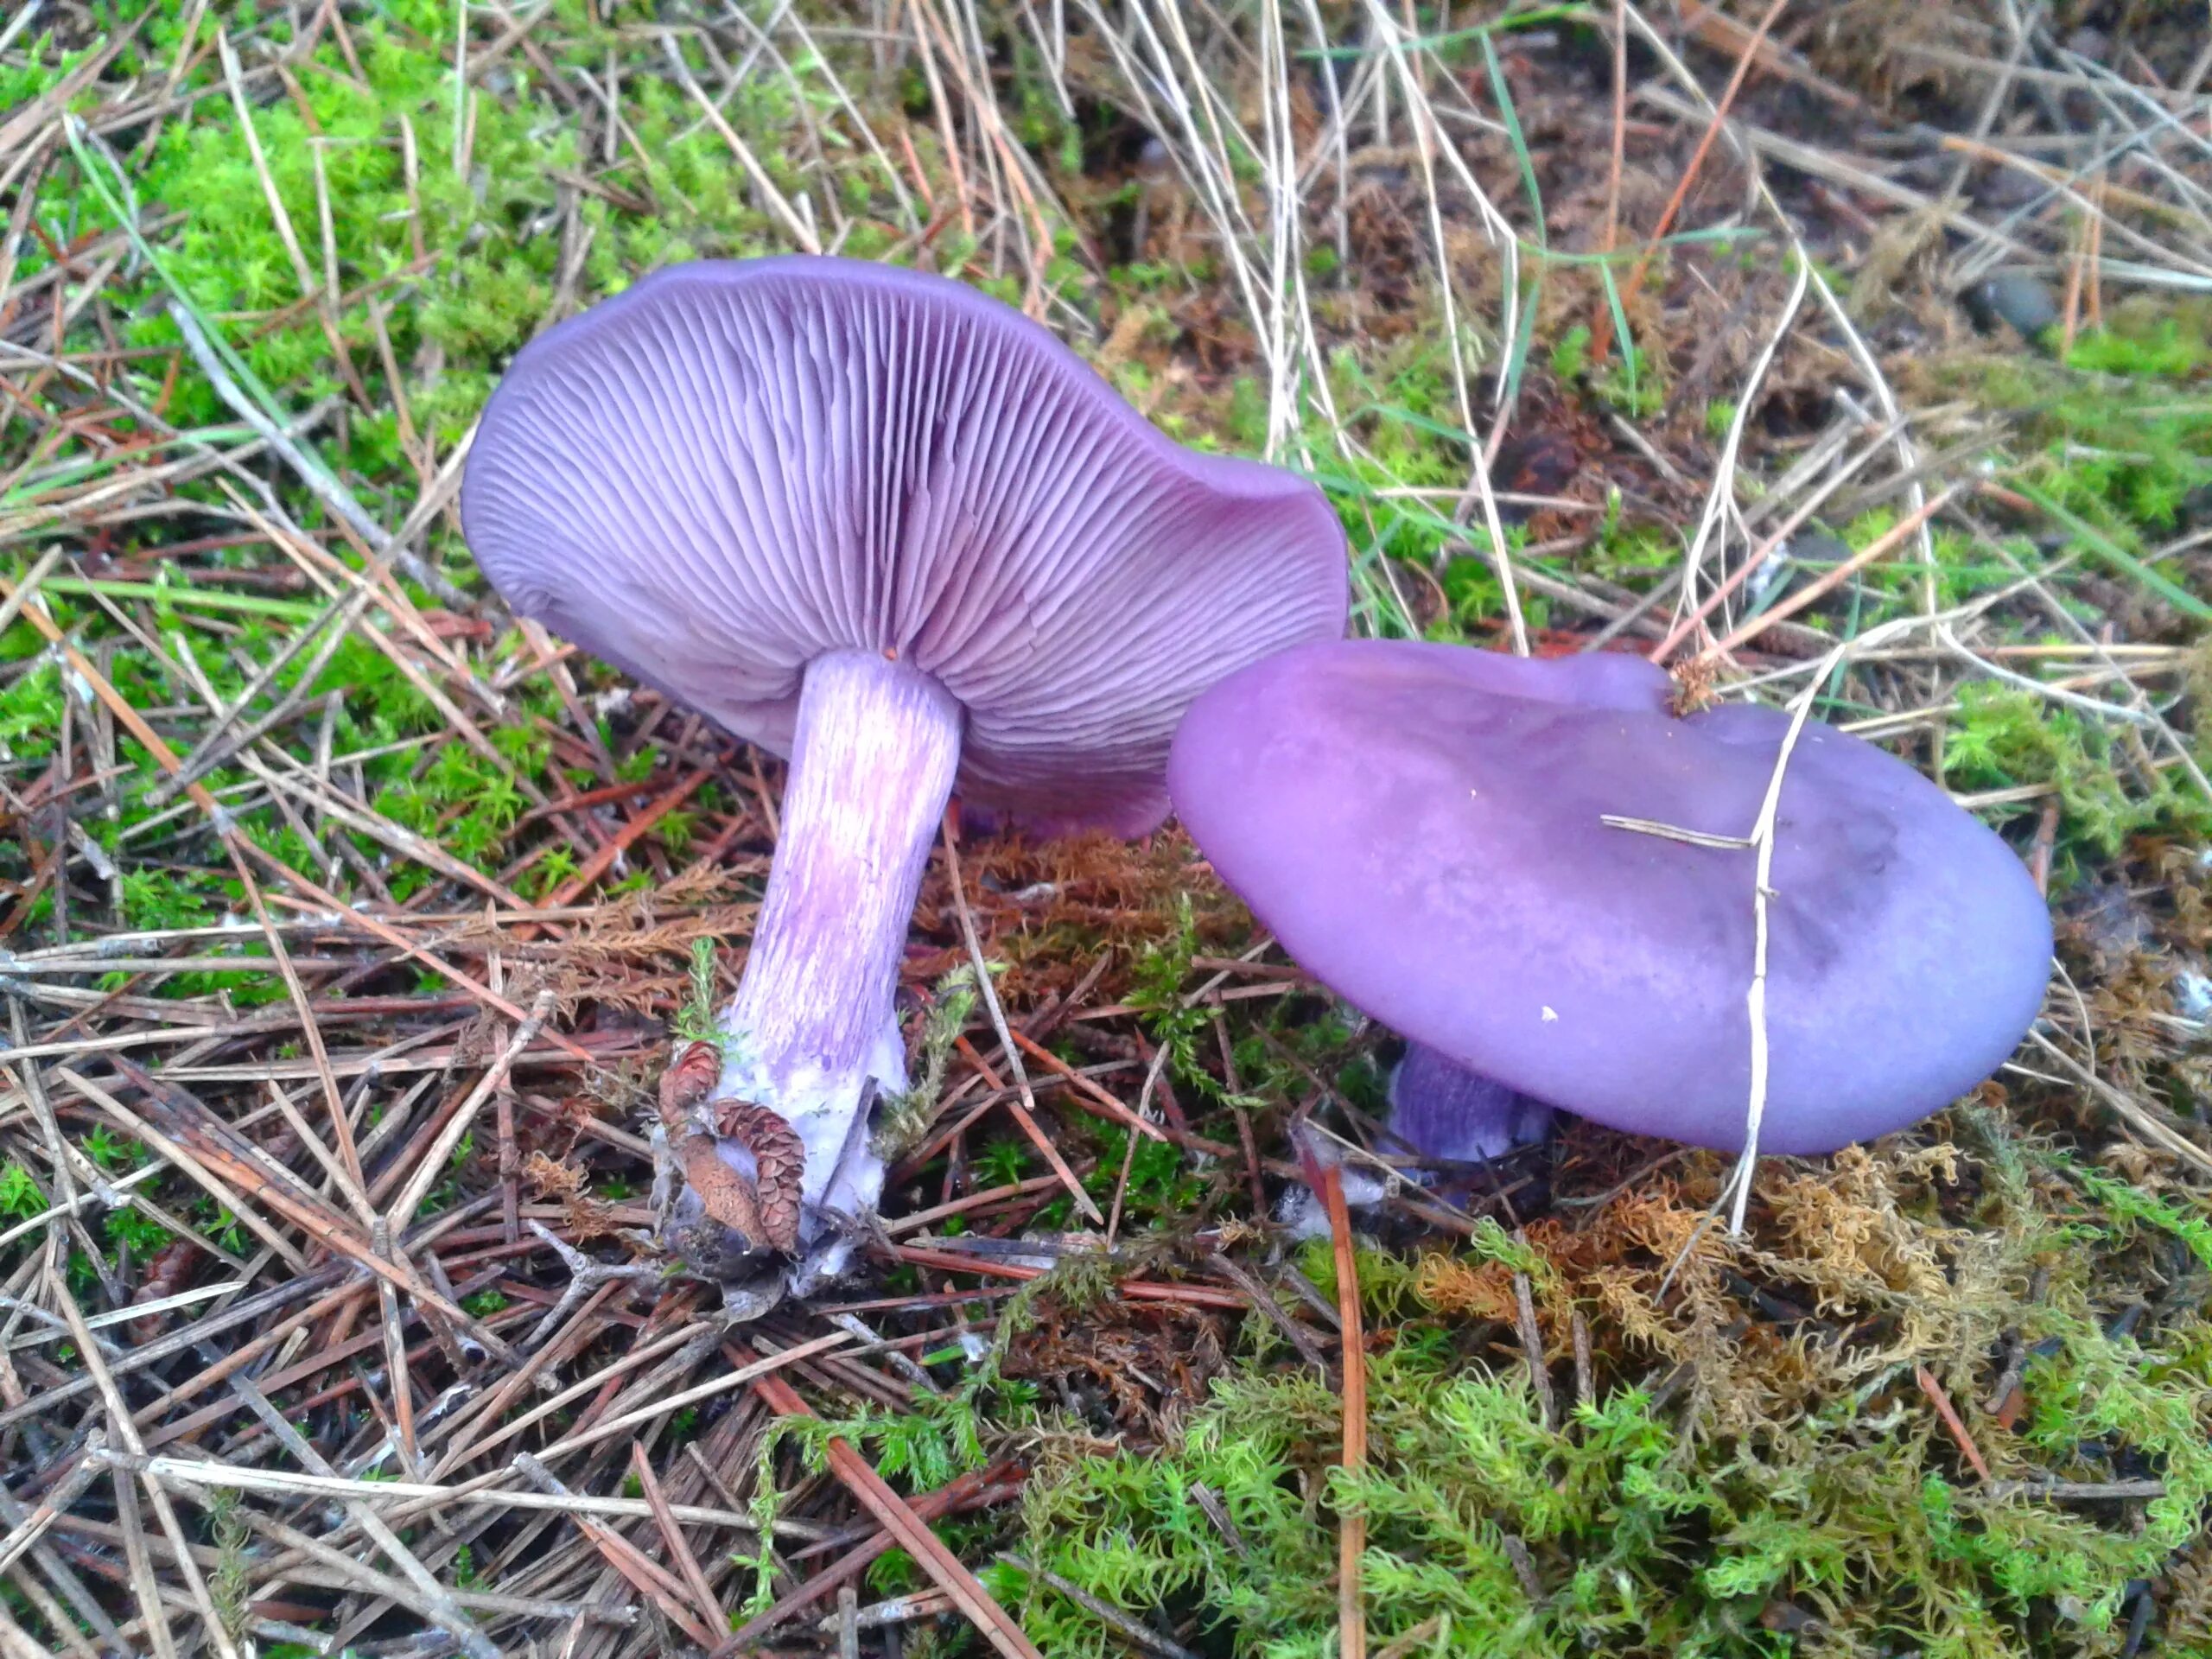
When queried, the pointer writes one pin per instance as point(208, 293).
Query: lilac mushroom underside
point(1421, 826)
point(879, 523)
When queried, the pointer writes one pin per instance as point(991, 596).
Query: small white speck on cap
point(1551, 1016)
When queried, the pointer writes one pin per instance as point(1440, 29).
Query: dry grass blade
point(433, 1163)
point(1083, 1085)
point(178, 1151)
point(428, 1594)
point(188, 1122)
point(1601, 339)
point(1532, 1345)
point(702, 1596)
point(1024, 1111)
point(118, 1415)
point(2138, 1117)
point(413, 1499)
point(1880, 547)
point(982, 1486)
point(913, 1534)
point(23, 1537)
point(625, 1557)
point(1134, 1289)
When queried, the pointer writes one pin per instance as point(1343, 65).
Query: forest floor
point(1855, 351)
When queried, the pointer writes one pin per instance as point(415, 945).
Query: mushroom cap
point(734, 468)
point(1420, 826)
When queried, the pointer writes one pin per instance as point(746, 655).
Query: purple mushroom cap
point(885, 526)
point(735, 468)
point(1420, 826)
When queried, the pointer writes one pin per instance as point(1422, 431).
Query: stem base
point(812, 1033)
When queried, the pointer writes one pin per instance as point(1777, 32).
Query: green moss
point(128, 1229)
point(2119, 435)
point(2125, 1208)
point(2006, 737)
point(697, 1022)
point(1571, 356)
point(1638, 1540)
point(30, 713)
point(19, 1192)
point(154, 899)
point(2163, 349)
point(1633, 384)
point(112, 1151)
point(1158, 1185)
point(1002, 1162)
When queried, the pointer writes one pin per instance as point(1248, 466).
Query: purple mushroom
point(1423, 827)
point(880, 523)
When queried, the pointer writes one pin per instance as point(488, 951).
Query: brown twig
point(1024, 1111)
point(702, 1597)
point(913, 1534)
point(1952, 1420)
point(1139, 1290)
point(625, 1558)
point(1602, 338)
point(977, 1487)
point(1351, 1533)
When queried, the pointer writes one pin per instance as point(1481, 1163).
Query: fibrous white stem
point(813, 1024)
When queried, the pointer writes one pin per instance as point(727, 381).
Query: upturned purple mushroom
point(1425, 828)
point(880, 523)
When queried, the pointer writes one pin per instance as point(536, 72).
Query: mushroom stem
point(1453, 1113)
point(1439, 1110)
point(812, 1026)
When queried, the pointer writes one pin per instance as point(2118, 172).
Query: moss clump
point(2006, 737)
point(1787, 1487)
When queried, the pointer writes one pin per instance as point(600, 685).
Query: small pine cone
point(724, 1195)
point(690, 1078)
point(780, 1157)
point(172, 1269)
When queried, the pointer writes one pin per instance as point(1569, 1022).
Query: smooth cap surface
point(1420, 827)
point(735, 466)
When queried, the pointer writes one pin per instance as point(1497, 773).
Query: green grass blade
point(2118, 557)
point(189, 597)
